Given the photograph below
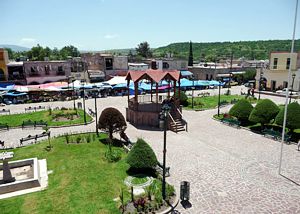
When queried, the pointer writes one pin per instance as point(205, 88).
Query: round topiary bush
point(264, 111)
point(293, 116)
point(241, 110)
point(111, 120)
point(183, 98)
point(141, 156)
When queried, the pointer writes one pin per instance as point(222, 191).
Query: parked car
point(284, 91)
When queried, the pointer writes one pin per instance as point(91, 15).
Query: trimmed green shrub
point(141, 156)
point(111, 120)
point(183, 98)
point(264, 111)
point(241, 110)
point(293, 116)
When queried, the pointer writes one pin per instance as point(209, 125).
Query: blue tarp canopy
point(6, 86)
point(14, 94)
point(186, 73)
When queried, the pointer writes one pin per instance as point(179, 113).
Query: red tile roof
point(155, 75)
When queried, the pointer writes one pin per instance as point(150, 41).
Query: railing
point(185, 122)
point(173, 121)
point(147, 98)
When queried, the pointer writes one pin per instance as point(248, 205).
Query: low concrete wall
point(23, 184)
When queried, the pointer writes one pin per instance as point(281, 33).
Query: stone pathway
point(230, 170)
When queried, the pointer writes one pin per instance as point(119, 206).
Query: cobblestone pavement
point(230, 170)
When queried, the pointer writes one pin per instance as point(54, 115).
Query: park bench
point(4, 126)
point(34, 137)
point(4, 111)
point(35, 108)
point(231, 122)
point(159, 169)
point(35, 124)
point(204, 94)
point(276, 135)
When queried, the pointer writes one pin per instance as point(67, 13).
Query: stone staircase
point(176, 123)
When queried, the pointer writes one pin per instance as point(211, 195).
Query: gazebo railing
point(147, 98)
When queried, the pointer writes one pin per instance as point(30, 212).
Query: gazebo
point(144, 110)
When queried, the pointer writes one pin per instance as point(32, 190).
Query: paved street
point(230, 170)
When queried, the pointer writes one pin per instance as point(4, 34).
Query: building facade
point(3, 65)
point(211, 71)
point(40, 72)
point(275, 75)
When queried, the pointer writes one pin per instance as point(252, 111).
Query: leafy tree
point(264, 111)
point(183, 98)
point(141, 156)
point(143, 49)
point(241, 110)
point(191, 59)
point(293, 116)
point(36, 53)
point(69, 51)
point(111, 120)
point(10, 53)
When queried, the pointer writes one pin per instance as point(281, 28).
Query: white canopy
point(117, 80)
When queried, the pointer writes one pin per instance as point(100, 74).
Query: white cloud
point(28, 41)
point(111, 36)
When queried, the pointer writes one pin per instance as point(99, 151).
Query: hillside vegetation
point(222, 50)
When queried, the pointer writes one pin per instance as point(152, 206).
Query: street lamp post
point(292, 87)
point(165, 110)
point(193, 88)
point(219, 98)
point(73, 95)
point(259, 82)
point(95, 96)
point(84, 114)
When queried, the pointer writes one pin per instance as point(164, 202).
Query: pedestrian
point(298, 145)
point(252, 92)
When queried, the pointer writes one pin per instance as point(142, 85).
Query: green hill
point(209, 50)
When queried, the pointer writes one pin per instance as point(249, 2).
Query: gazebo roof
point(155, 75)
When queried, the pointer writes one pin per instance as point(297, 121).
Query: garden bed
point(60, 117)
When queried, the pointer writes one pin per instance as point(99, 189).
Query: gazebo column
point(168, 89)
point(156, 92)
point(179, 88)
point(151, 90)
point(136, 90)
point(174, 87)
point(128, 90)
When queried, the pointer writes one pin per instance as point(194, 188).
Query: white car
point(284, 91)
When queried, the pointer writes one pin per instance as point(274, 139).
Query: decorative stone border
point(128, 182)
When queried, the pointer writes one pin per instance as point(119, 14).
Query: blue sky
point(110, 24)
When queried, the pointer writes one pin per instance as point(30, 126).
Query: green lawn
point(14, 120)
point(209, 102)
point(82, 180)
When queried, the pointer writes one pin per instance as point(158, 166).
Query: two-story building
point(276, 75)
point(39, 72)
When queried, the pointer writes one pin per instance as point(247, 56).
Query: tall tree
point(143, 49)
point(191, 58)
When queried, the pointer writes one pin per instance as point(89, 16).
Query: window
point(288, 62)
point(165, 65)
point(60, 68)
point(109, 63)
point(275, 63)
point(47, 70)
